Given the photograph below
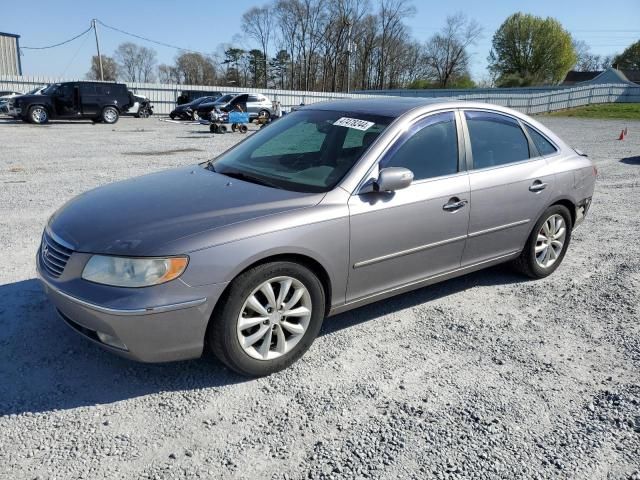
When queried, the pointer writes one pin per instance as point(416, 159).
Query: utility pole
point(350, 26)
point(95, 30)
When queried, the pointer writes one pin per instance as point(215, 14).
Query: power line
point(148, 39)
point(57, 44)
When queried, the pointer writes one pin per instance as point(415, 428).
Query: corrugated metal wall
point(527, 100)
point(9, 61)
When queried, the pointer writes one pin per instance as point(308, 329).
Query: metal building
point(10, 54)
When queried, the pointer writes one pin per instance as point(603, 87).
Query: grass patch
point(629, 111)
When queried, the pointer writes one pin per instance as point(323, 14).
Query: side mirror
point(392, 179)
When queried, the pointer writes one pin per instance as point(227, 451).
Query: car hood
point(28, 98)
point(143, 215)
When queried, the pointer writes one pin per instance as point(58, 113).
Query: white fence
point(527, 100)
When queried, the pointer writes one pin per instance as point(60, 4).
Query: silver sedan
point(332, 207)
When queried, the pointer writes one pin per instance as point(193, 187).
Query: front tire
point(38, 114)
point(268, 318)
point(547, 244)
point(110, 115)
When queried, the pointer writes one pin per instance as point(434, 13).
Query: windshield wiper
point(249, 178)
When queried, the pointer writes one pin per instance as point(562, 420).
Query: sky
point(201, 25)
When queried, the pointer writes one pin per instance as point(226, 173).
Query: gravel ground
point(485, 376)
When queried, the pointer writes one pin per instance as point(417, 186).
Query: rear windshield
point(305, 151)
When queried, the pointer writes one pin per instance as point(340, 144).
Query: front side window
point(495, 139)
point(429, 149)
point(544, 146)
point(305, 151)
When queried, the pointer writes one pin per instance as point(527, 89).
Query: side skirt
point(421, 283)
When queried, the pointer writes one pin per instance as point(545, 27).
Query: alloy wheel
point(110, 115)
point(550, 240)
point(274, 318)
point(39, 115)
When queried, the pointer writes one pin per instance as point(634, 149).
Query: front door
point(405, 236)
point(66, 101)
point(508, 186)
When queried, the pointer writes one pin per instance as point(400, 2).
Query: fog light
point(111, 341)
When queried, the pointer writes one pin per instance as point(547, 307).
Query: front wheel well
point(304, 260)
point(312, 264)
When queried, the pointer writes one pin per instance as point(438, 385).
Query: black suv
point(98, 101)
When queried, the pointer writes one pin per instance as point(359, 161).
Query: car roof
point(387, 106)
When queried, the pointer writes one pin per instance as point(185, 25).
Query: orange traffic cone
point(621, 137)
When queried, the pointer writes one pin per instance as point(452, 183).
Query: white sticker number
point(353, 123)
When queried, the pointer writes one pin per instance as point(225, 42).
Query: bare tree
point(168, 74)
point(446, 54)
point(135, 63)
point(196, 69)
point(257, 22)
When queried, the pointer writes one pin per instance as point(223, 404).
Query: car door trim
point(421, 282)
point(409, 251)
point(498, 228)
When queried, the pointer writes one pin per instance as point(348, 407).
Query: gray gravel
point(485, 376)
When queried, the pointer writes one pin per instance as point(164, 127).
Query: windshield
point(225, 98)
point(50, 89)
point(305, 151)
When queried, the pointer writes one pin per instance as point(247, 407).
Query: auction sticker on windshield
point(353, 123)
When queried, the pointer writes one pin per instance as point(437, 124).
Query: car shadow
point(631, 160)
point(45, 366)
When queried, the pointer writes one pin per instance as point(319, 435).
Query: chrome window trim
point(558, 149)
point(404, 126)
point(469, 150)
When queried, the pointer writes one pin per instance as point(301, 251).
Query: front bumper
point(147, 332)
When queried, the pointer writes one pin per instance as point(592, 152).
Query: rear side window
point(429, 149)
point(253, 98)
point(495, 139)
point(87, 89)
point(544, 146)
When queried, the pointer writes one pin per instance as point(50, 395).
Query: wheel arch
point(305, 260)
point(570, 205)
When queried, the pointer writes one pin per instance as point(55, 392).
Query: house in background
point(10, 54)
point(610, 75)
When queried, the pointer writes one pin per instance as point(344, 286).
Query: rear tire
point(547, 244)
point(38, 115)
point(243, 128)
point(244, 349)
point(265, 114)
point(222, 129)
point(110, 115)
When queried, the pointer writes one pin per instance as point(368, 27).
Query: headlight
point(133, 272)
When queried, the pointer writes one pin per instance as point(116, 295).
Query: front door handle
point(537, 186)
point(454, 204)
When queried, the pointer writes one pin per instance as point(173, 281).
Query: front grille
point(54, 256)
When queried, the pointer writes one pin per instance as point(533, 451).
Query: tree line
point(339, 45)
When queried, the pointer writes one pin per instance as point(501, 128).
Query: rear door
point(89, 99)
point(508, 181)
point(418, 232)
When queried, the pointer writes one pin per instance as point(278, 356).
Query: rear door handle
point(537, 186)
point(454, 204)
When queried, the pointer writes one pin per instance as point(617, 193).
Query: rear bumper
point(158, 333)
point(581, 211)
